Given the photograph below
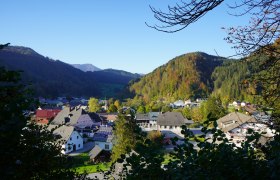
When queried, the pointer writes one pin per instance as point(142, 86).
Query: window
point(77, 137)
point(79, 145)
point(165, 127)
point(70, 138)
point(106, 146)
point(170, 127)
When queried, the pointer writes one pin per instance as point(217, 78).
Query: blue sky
point(109, 33)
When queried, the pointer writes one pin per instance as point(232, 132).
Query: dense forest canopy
point(186, 76)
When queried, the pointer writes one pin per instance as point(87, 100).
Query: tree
point(262, 30)
point(112, 108)
point(252, 41)
point(93, 105)
point(124, 136)
point(197, 115)
point(117, 103)
point(28, 151)
point(214, 106)
point(186, 112)
point(141, 109)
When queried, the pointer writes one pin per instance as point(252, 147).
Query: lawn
point(81, 164)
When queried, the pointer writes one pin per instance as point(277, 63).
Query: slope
point(55, 78)
point(186, 76)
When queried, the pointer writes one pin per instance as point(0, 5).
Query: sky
point(109, 33)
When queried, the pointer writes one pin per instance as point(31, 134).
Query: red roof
point(47, 113)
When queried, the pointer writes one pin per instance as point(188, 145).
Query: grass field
point(81, 164)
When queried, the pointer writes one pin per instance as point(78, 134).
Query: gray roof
point(84, 121)
point(142, 117)
point(69, 116)
point(63, 131)
point(95, 151)
point(171, 119)
point(233, 120)
point(104, 134)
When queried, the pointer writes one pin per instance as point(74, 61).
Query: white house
point(170, 123)
point(70, 139)
point(103, 138)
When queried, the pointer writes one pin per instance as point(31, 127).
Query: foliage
point(144, 160)
point(216, 158)
point(197, 115)
point(93, 105)
point(231, 82)
point(213, 106)
point(112, 108)
point(117, 103)
point(141, 109)
point(124, 136)
point(181, 78)
point(28, 151)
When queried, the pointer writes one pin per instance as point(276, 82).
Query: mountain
point(186, 76)
point(86, 67)
point(54, 78)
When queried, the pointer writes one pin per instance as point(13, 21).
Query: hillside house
point(71, 139)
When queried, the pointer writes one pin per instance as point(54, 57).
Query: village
point(91, 133)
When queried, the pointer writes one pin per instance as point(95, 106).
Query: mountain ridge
point(55, 78)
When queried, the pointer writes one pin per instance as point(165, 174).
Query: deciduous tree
point(93, 105)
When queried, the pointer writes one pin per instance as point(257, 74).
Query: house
point(153, 116)
point(234, 120)
point(235, 125)
point(170, 123)
point(103, 138)
point(179, 103)
point(68, 116)
point(86, 125)
point(97, 154)
point(236, 103)
point(148, 120)
point(44, 116)
point(142, 120)
point(71, 139)
point(108, 117)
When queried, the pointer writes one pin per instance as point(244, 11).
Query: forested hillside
point(186, 76)
point(55, 78)
point(231, 81)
